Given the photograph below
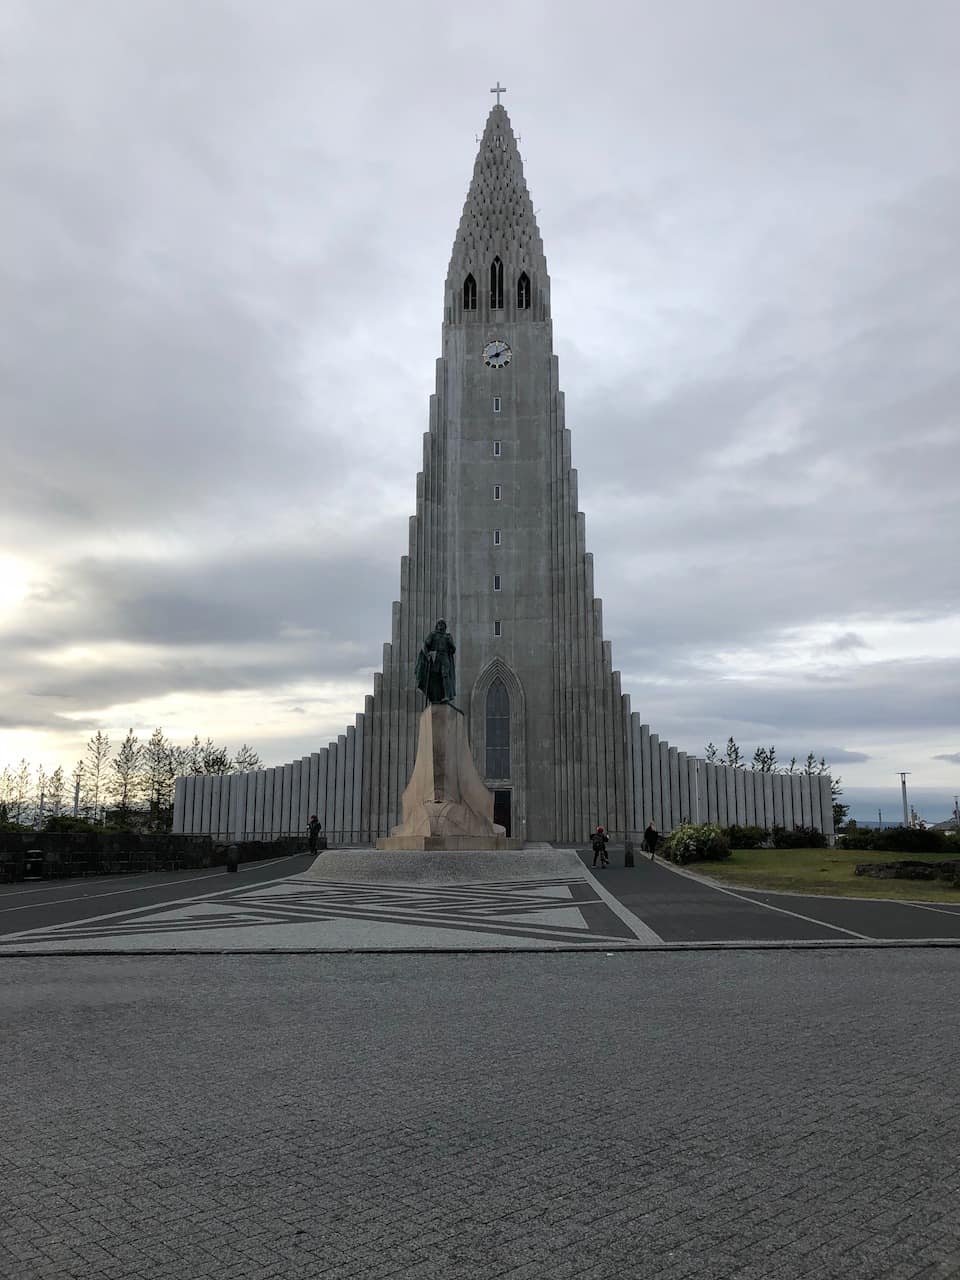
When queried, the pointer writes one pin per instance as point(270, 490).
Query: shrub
point(696, 842)
point(746, 837)
point(910, 840)
point(798, 838)
point(856, 840)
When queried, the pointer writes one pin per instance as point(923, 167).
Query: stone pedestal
point(446, 805)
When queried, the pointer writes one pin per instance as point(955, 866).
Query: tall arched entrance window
point(498, 731)
point(523, 292)
point(470, 293)
point(498, 740)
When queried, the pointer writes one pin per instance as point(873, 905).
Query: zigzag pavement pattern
point(357, 900)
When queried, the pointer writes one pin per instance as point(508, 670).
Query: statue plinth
point(445, 804)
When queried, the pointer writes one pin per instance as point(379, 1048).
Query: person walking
point(599, 841)
point(313, 828)
point(651, 838)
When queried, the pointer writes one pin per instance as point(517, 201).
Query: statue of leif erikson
point(436, 669)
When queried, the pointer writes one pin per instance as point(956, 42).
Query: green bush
point(696, 842)
point(910, 840)
point(856, 840)
point(798, 838)
point(746, 837)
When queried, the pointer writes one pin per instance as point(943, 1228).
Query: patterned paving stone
point(743, 1115)
point(367, 913)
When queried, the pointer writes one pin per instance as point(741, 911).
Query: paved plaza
point(361, 900)
point(364, 900)
point(758, 1115)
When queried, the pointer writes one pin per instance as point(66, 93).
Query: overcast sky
point(224, 230)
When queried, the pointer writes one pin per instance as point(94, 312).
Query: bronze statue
point(436, 669)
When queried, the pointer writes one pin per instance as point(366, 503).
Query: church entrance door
point(501, 809)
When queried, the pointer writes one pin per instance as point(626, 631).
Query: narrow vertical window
point(498, 627)
point(496, 285)
point(496, 582)
point(470, 293)
point(496, 448)
point(496, 404)
point(523, 292)
point(498, 731)
point(496, 537)
point(496, 493)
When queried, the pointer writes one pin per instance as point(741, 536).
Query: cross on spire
point(498, 89)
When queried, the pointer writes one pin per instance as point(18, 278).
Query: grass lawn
point(825, 871)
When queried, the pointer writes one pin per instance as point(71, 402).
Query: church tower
point(497, 545)
point(497, 548)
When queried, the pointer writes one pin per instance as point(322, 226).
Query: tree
point(56, 786)
point(191, 757)
point(98, 754)
point(711, 753)
point(840, 810)
point(124, 771)
point(247, 759)
point(161, 761)
point(20, 795)
point(733, 757)
point(215, 759)
point(42, 797)
point(79, 791)
point(765, 760)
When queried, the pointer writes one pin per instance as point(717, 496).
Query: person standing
point(313, 828)
point(651, 838)
point(599, 841)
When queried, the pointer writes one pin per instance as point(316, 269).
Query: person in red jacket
point(599, 841)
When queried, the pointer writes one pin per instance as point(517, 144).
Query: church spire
point(498, 222)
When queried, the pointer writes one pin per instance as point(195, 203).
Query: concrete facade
point(497, 546)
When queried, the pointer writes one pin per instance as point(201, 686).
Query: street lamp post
point(903, 787)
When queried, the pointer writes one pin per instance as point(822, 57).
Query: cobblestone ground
point(748, 1115)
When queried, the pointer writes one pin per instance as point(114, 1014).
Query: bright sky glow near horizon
point(225, 231)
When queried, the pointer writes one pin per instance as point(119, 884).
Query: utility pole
point(880, 819)
point(956, 811)
point(903, 782)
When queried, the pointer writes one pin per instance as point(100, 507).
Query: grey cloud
point(845, 642)
point(810, 713)
point(227, 296)
point(839, 755)
point(952, 757)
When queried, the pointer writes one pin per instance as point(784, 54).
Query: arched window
point(523, 291)
point(470, 294)
point(498, 730)
point(496, 285)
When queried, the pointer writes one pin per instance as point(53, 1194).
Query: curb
point(828, 944)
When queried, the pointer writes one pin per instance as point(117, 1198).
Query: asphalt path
point(684, 907)
point(39, 905)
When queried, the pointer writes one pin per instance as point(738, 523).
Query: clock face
point(496, 354)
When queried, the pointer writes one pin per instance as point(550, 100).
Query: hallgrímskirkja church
point(497, 547)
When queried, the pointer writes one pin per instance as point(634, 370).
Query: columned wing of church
point(497, 547)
